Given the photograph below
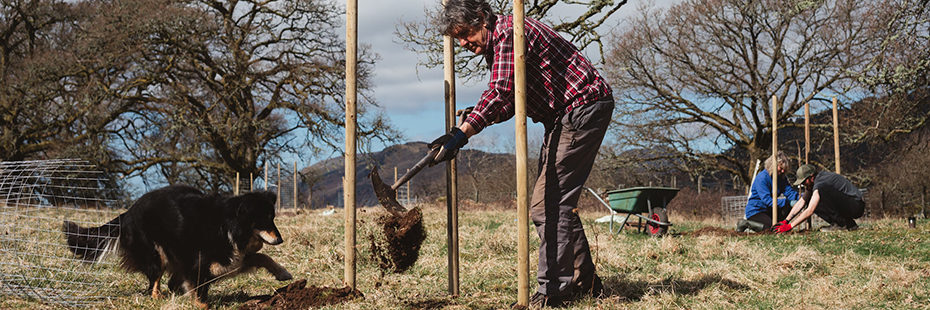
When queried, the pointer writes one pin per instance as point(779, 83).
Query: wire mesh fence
point(284, 181)
point(36, 197)
point(733, 208)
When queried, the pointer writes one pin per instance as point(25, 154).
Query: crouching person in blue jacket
point(759, 207)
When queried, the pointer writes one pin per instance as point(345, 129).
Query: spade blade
point(386, 195)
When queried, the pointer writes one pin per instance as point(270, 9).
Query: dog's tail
point(91, 244)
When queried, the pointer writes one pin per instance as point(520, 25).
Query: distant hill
point(326, 176)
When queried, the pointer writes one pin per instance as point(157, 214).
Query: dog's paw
point(283, 276)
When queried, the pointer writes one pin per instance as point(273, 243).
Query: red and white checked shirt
point(559, 78)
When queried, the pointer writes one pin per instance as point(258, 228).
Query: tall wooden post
point(775, 155)
point(923, 201)
point(519, 65)
point(251, 182)
point(278, 187)
point(836, 137)
point(236, 191)
point(348, 185)
point(294, 182)
point(807, 149)
point(452, 199)
point(807, 132)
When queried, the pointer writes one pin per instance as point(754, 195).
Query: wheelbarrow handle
point(601, 200)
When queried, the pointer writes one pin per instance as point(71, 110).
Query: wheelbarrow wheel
point(659, 215)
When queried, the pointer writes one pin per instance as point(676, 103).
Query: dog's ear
point(248, 201)
point(269, 197)
point(241, 205)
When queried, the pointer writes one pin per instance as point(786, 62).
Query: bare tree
point(902, 63)
point(245, 81)
point(62, 82)
point(584, 29)
point(698, 78)
point(899, 72)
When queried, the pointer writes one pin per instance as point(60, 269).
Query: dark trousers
point(765, 217)
point(565, 161)
point(839, 209)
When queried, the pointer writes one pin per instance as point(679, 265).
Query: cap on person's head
point(804, 171)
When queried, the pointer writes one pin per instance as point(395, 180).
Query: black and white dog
point(197, 238)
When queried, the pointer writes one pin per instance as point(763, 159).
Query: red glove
point(785, 222)
point(782, 228)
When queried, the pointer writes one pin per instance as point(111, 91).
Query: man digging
point(832, 197)
point(574, 103)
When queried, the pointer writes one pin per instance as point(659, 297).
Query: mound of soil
point(403, 234)
point(298, 295)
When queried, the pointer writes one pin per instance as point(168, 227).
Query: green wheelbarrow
point(635, 201)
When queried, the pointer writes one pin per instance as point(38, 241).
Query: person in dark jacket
point(832, 197)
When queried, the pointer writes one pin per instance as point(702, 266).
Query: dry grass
point(882, 265)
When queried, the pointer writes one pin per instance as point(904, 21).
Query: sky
point(412, 96)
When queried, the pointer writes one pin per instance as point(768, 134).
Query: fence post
point(700, 180)
point(836, 137)
point(774, 155)
point(348, 184)
point(278, 187)
point(452, 205)
point(807, 132)
point(295, 185)
point(881, 201)
point(923, 200)
point(519, 61)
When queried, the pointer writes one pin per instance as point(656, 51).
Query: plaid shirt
point(559, 77)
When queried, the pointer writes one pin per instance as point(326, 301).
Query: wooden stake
point(294, 182)
point(923, 200)
point(798, 145)
point(278, 187)
point(700, 179)
point(807, 132)
point(774, 155)
point(251, 182)
point(836, 137)
point(349, 178)
point(236, 191)
point(519, 60)
point(452, 203)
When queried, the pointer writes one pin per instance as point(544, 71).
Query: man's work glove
point(784, 222)
point(448, 144)
point(782, 228)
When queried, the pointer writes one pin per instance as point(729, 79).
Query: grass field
point(883, 265)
